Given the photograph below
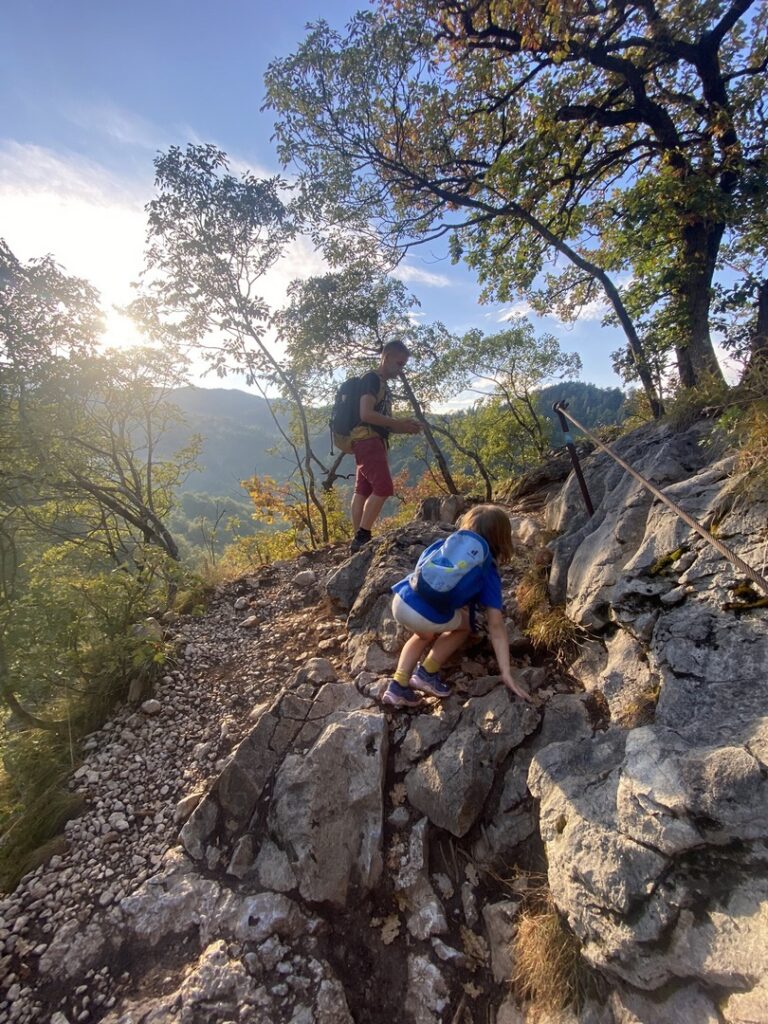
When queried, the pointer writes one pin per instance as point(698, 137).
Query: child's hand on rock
point(518, 690)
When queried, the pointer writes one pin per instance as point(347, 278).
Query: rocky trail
point(262, 842)
point(144, 772)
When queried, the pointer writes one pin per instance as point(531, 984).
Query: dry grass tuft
point(691, 404)
point(549, 972)
point(551, 629)
point(640, 711)
point(532, 593)
point(752, 435)
point(548, 627)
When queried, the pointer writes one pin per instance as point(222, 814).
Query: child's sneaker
point(400, 696)
point(429, 682)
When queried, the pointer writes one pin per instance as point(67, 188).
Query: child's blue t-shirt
point(488, 593)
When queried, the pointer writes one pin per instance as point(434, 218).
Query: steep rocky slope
point(309, 883)
point(266, 843)
point(656, 829)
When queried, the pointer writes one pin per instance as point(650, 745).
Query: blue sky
point(90, 91)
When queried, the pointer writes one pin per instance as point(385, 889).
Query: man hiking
point(370, 441)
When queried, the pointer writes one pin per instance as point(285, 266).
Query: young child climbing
point(434, 601)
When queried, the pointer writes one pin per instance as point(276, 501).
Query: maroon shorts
point(373, 476)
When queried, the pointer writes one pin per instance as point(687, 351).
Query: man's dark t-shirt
point(373, 384)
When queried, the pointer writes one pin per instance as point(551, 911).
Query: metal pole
point(718, 545)
point(557, 408)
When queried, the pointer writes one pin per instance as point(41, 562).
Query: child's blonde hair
point(493, 525)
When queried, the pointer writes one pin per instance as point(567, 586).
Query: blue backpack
point(449, 574)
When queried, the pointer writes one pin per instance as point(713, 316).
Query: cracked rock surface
point(249, 850)
point(656, 831)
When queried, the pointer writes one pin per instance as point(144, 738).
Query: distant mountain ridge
point(238, 431)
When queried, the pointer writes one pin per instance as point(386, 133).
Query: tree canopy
point(569, 149)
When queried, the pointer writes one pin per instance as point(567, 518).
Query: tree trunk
point(697, 360)
point(430, 437)
point(332, 475)
point(634, 343)
point(475, 457)
point(758, 349)
point(304, 465)
point(308, 476)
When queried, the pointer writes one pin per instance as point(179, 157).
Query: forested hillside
point(239, 438)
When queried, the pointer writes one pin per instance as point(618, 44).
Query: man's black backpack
point(345, 414)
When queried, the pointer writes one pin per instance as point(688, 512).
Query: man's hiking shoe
point(400, 696)
point(429, 682)
point(360, 539)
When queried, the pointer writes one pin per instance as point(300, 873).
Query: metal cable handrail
point(561, 407)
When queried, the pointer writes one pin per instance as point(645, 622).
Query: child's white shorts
point(412, 620)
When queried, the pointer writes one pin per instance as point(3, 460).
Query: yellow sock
point(430, 665)
point(400, 676)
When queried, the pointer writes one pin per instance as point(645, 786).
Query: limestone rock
point(687, 1003)
point(508, 1013)
point(525, 530)
point(273, 869)
point(671, 815)
point(747, 1007)
point(427, 994)
point(368, 656)
point(326, 809)
point(451, 507)
point(305, 578)
point(627, 680)
point(74, 949)
point(426, 915)
point(344, 584)
point(450, 786)
point(499, 919)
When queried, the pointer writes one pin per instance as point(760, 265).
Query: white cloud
point(89, 220)
point(591, 312)
point(121, 126)
point(511, 312)
point(93, 222)
point(414, 275)
point(732, 368)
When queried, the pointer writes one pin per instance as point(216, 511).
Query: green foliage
point(85, 553)
point(569, 150)
point(636, 410)
point(591, 405)
point(687, 406)
point(27, 838)
point(78, 616)
point(281, 505)
point(71, 648)
point(744, 427)
point(338, 324)
point(664, 561)
point(211, 238)
point(203, 525)
point(515, 363)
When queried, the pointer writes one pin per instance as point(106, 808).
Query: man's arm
point(368, 414)
point(497, 632)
